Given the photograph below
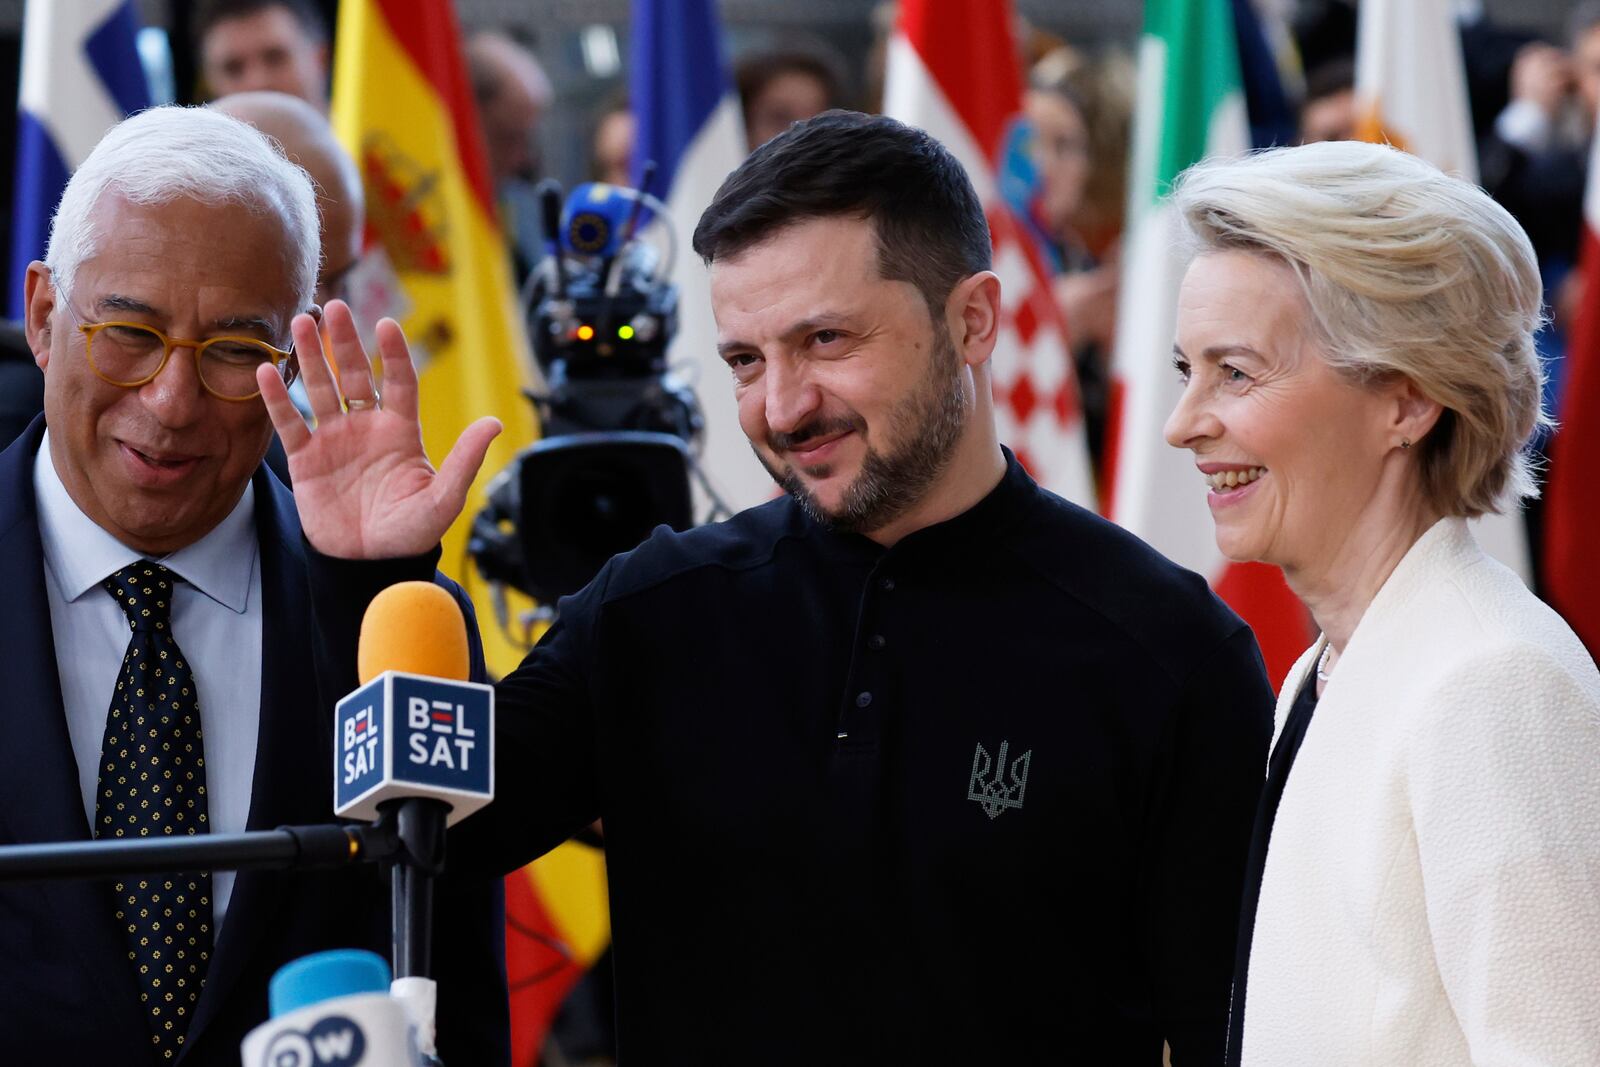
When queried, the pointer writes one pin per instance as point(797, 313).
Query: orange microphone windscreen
point(414, 627)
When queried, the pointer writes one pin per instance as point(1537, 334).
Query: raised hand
point(362, 482)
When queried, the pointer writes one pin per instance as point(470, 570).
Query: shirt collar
point(80, 554)
point(1008, 500)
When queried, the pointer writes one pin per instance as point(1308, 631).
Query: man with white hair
point(156, 597)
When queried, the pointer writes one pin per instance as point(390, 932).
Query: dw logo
point(335, 1041)
point(995, 792)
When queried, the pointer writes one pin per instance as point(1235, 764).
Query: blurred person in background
point(308, 141)
point(513, 95)
point(1535, 159)
point(1328, 112)
point(1355, 338)
point(279, 45)
point(1079, 115)
point(778, 89)
point(304, 136)
point(611, 150)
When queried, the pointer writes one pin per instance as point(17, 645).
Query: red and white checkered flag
point(953, 72)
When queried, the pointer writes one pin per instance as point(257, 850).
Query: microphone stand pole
point(419, 826)
point(297, 847)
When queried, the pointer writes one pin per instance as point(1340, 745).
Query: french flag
point(691, 126)
point(80, 76)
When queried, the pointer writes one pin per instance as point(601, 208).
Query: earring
point(1405, 442)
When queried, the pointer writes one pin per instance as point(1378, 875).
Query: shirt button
point(863, 700)
point(876, 642)
point(887, 585)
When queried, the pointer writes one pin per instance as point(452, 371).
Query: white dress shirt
point(216, 620)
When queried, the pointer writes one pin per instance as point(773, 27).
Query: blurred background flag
point(80, 76)
point(1190, 106)
point(403, 109)
point(557, 926)
point(1411, 83)
point(1572, 505)
point(953, 71)
point(690, 125)
point(1262, 59)
point(1411, 92)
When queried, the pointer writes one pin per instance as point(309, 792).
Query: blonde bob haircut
point(1406, 271)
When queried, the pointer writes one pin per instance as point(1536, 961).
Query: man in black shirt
point(917, 763)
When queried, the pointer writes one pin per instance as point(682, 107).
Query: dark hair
point(212, 12)
point(757, 71)
point(930, 226)
point(1330, 79)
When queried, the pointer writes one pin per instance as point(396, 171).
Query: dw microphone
point(333, 1009)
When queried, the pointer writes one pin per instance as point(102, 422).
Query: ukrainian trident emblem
point(996, 792)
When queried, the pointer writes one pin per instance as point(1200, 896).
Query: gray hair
point(1406, 271)
point(167, 153)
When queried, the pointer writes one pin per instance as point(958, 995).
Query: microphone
point(549, 192)
point(416, 728)
point(594, 219)
point(415, 751)
point(332, 1008)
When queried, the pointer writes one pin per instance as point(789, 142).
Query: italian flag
point(953, 71)
point(1190, 106)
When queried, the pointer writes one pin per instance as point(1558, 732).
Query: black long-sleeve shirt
point(983, 795)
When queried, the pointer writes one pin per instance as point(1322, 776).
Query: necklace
point(1322, 662)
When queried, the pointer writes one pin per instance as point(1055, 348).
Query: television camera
point(621, 431)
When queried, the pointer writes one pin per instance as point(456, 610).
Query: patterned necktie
point(153, 781)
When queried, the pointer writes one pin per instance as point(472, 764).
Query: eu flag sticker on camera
point(408, 735)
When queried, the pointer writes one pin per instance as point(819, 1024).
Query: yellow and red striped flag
point(403, 108)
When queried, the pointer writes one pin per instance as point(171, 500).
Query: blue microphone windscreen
point(593, 219)
point(324, 975)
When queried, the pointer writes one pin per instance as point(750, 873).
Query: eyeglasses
point(129, 354)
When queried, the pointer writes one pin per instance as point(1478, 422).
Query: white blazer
point(1431, 892)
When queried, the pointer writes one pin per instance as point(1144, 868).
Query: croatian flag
point(953, 71)
point(80, 76)
point(691, 126)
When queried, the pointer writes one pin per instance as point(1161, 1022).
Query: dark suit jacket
point(67, 992)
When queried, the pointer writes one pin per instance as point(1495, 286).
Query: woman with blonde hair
point(1355, 336)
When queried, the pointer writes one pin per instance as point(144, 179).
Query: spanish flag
point(403, 108)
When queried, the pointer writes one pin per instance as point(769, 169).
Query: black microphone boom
point(299, 847)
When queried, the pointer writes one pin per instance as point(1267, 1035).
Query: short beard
point(928, 423)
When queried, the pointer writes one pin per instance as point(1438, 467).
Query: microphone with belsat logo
point(333, 1009)
point(414, 749)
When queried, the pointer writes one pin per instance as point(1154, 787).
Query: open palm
point(362, 481)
